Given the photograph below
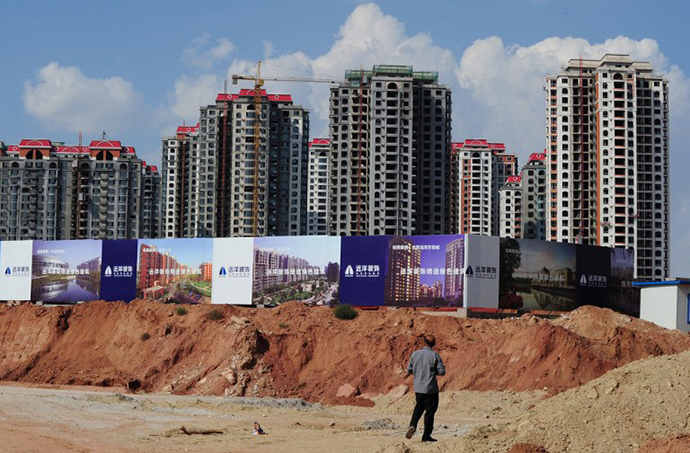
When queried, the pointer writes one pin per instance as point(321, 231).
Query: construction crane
point(258, 84)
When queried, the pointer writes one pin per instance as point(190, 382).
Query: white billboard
point(15, 270)
point(233, 265)
point(481, 271)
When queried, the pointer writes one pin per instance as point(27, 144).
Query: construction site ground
point(104, 377)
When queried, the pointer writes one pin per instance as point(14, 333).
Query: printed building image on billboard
point(15, 270)
point(425, 271)
point(537, 275)
point(66, 271)
point(301, 268)
point(175, 270)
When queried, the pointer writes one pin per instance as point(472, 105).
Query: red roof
point(153, 168)
point(226, 97)
point(35, 143)
point(246, 92)
point(72, 149)
point(320, 141)
point(280, 97)
point(478, 143)
point(106, 144)
point(130, 150)
point(514, 179)
point(187, 129)
point(13, 149)
point(537, 156)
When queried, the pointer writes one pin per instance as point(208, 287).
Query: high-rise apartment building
point(244, 192)
point(50, 191)
point(180, 194)
point(151, 202)
point(607, 158)
point(483, 169)
point(319, 186)
point(390, 143)
point(455, 264)
point(402, 284)
point(510, 208)
point(523, 201)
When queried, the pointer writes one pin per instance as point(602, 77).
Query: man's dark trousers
point(425, 402)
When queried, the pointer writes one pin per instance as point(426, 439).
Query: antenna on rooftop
point(225, 86)
point(79, 138)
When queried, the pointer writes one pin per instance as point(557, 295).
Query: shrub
point(283, 325)
point(145, 336)
point(345, 311)
point(181, 311)
point(215, 315)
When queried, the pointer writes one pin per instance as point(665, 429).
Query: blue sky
point(136, 69)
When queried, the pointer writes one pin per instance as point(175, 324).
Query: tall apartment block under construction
point(522, 212)
point(50, 191)
point(608, 157)
point(390, 164)
point(227, 177)
point(483, 169)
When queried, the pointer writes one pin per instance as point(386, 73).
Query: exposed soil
point(299, 351)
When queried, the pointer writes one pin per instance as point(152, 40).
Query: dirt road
point(60, 420)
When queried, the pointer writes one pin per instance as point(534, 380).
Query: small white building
point(666, 303)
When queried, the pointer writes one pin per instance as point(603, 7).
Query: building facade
point(319, 186)
point(248, 188)
point(49, 191)
point(607, 159)
point(510, 208)
point(390, 143)
point(483, 169)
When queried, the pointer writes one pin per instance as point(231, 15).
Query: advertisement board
point(233, 266)
point(15, 270)
point(119, 270)
point(537, 275)
point(301, 268)
point(425, 271)
point(593, 275)
point(363, 265)
point(66, 271)
point(481, 273)
point(622, 295)
point(175, 270)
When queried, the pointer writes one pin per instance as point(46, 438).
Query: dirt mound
point(672, 444)
point(298, 351)
point(620, 411)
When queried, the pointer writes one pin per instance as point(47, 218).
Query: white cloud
point(62, 97)
point(192, 92)
point(195, 56)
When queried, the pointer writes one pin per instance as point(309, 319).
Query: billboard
point(66, 271)
point(537, 275)
point(363, 264)
point(593, 275)
point(481, 271)
point(622, 296)
point(118, 270)
point(232, 271)
point(425, 271)
point(302, 268)
point(15, 270)
point(175, 270)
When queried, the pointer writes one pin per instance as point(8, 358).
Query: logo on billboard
point(469, 272)
point(349, 272)
point(235, 271)
point(18, 271)
point(119, 271)
point(596, 281)
point(363, 270)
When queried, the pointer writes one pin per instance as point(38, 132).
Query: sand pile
point(298, 351)
point(618, 412)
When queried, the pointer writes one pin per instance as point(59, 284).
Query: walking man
point(425, 364)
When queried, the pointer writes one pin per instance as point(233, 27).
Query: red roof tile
point(106, 144)
point(35, 143)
